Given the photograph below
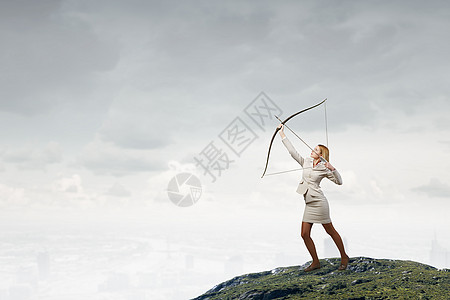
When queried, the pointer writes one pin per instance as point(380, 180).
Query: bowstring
point(326, 134)
point(326, 122)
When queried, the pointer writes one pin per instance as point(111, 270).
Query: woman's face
point(313, 154)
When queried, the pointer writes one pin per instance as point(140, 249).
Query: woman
point(316, 209)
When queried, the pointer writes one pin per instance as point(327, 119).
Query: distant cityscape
point(439, 256)
point(136, 268)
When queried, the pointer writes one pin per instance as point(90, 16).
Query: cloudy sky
point(103, 102)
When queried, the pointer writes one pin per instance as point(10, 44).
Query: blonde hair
point(325, 152)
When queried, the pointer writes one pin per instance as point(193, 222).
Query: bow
point(275, 133)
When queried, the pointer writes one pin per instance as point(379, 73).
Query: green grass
point(365, 278)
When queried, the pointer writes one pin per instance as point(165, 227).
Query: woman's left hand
point(329, 166)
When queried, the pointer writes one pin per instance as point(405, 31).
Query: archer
point(315, 168)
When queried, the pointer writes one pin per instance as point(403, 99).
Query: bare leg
point(306, 235)
point(329, 228)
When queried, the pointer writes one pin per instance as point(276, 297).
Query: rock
point(365, 278)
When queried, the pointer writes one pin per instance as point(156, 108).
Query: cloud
point(445, 145)
point(71, 185)
point(32, 156)
point(12, 196)
point(174, 74)
point(118, 190)
point(364, 57)
point(49, 58)
point(435, 189)
point(107, 159)
point(137, 123)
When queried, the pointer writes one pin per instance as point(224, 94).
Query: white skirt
point(316, 210)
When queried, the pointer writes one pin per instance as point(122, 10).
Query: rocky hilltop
point(365, 278)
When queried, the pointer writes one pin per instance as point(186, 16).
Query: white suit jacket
point(312, 176)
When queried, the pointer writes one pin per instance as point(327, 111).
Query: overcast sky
point(103, 102)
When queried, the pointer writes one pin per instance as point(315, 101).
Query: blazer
point(312, 176)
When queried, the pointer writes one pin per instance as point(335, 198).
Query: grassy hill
point(365, 278)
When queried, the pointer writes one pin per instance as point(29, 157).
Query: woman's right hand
point(281, 127)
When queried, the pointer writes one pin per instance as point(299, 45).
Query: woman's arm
point(333, 174)
point(290, 148)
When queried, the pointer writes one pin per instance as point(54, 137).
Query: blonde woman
point(316, 209)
